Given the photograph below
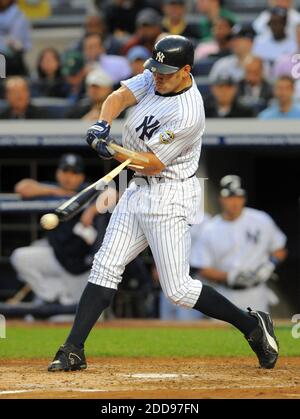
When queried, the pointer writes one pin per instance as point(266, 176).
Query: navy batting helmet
point(231, 186)
point(170, 54)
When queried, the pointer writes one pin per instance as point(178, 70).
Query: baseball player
point(165, 126)
point(239, 265)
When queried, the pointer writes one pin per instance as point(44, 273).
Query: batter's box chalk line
point(156, 376)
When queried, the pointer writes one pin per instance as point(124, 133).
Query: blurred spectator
point(148, 28)
point(94, 54)
point(35, 9)
point(223, 103)
point(174, 21)
point(57, 267)
point(270, 46)
point(48, 81)
point(285, 106)
point(17, 95)
point(73, 69)
point(120, 15)
point(99, 86)
point(14, 37)
point(254, 91)
point(220, 45)
point(96, 24)
point(233, 65)
point(210, 11)
point(136, 57)
point(261, 23)
point(290, 64)
point(252, 246)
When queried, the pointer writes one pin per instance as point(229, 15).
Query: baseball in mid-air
point(49, 221)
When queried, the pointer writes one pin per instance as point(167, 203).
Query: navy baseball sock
point(94, 300)
point(214, 305)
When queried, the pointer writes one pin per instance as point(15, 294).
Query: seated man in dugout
point(57, 267)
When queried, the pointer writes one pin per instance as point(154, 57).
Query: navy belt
point(240, 287)
point(160, 179)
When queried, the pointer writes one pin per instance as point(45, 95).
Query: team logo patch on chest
point(166, 137)
point(148, 127)
point(253, 236)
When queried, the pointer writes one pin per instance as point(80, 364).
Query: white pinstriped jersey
point(246, 243)
point(171, 126)
point(158, 214)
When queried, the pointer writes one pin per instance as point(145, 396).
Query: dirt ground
point(129, 378)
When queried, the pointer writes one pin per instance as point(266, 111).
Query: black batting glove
point(98, 139)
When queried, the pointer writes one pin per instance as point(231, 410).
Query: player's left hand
point(244, 279)
point(264, 271)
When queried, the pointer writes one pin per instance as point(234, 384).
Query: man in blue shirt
point(14, 36)
point(284, 107)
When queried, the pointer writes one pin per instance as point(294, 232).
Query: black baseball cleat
point(68, 358)
point(263, 340)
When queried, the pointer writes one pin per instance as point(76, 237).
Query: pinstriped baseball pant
point(157, 215)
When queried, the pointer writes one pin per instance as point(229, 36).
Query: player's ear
point(187, 69)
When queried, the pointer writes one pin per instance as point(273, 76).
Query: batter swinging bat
point(71, 207)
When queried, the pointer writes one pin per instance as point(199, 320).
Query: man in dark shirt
point(57, 267)
point(148, 28)
point(174, 20)
point(223, 103)
point(254, 90)
point(120, 15)
point(17, 95)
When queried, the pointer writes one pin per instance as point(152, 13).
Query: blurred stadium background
point(264, 153)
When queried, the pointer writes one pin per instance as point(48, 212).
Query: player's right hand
point(97, 136)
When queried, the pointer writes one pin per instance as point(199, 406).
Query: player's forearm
point(113, 106)
point(153, 167)
point(32, 189)
point(213, 275)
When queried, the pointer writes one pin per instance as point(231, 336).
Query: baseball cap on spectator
point(244, 30)
point(72, 163)
point(224, 79)
point(138, 53)
point(73, 62)
point(99, 77)
point(148, 17)
point(230, 185)
point(279, 11)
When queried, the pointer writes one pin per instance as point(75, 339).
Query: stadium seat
point(203, 67)
point(55, 107)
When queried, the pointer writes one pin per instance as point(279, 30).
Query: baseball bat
point(20, 295)
point(128, 153)
point(72, 206)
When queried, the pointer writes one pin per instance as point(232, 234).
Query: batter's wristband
point(274, 260)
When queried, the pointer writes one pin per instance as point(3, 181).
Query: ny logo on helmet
point(160, 57)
